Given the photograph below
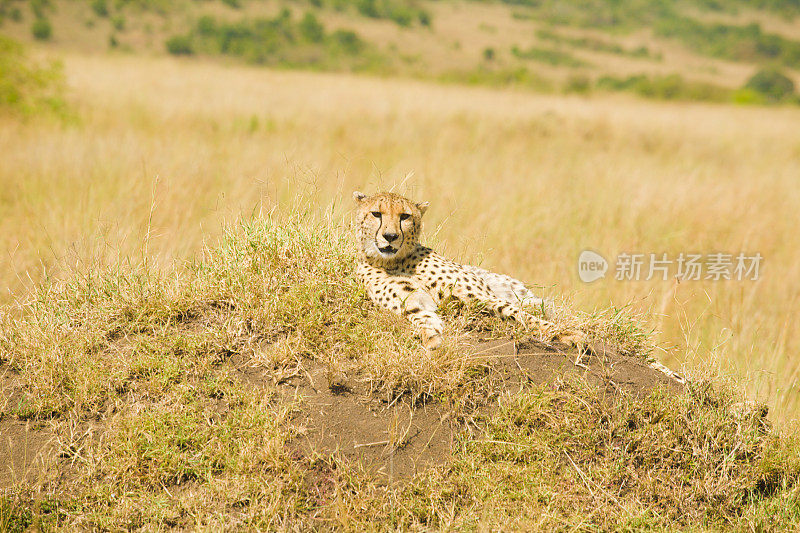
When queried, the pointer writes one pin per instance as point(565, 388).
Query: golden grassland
point(160, 151)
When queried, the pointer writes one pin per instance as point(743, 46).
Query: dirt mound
point(338, 414)
point(395, 438)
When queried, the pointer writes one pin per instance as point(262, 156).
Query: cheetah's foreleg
point(420, 309)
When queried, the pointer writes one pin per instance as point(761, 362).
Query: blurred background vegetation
point(742, 51)
point(27, 86)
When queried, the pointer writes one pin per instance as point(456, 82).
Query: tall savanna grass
point(164, 150)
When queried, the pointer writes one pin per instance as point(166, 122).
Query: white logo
point(591, 266)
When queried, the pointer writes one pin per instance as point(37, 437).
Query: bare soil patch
point(25, 450)
point(396, 438)
point(25, 446)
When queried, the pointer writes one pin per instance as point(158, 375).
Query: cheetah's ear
point(359, 196)
point(423, 206)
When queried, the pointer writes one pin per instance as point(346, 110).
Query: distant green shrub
point(667, 18)
point(100, 7)
point(178, 45)
point(206, 26)
point(6, 11)
point(550, 56)
point(578, 83)
point(402, 12)
point(594, 44)
point(789, 8)
point(275, 41)
point(368, 8)
point(669, 87)
point(236, 4)
point(767, 85)
point(488, 54)
point(118, 22)
point(483, 75)
point(39, 8)
point(348, 41)
point(602, 14)
point(402, 16)
point(28, 88)
point(41, 29)
point(634, 14)
point(161, 7)
point(772, 84)
point(424, 17)
point(311, 29)
point(713, 5)
point(739, 43)
point(747, 97)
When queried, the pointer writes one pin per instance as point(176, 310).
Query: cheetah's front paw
point(431, 339)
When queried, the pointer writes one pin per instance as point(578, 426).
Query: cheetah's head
point(388, 225)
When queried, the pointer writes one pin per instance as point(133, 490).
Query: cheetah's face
point(388, 224)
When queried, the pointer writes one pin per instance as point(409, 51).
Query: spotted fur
point(405, 277)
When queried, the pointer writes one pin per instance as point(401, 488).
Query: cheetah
point(409, 279)
point(405, 277)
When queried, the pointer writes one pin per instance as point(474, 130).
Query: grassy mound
point(129, 372)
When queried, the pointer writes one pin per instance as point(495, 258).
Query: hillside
point(656, 49)
point(254, 388)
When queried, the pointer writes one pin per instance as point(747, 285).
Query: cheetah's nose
point(390, 236)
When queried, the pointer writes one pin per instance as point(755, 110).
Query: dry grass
point(165, 150)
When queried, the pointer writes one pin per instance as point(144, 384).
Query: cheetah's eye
point(376, 214)
point(404, 216)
